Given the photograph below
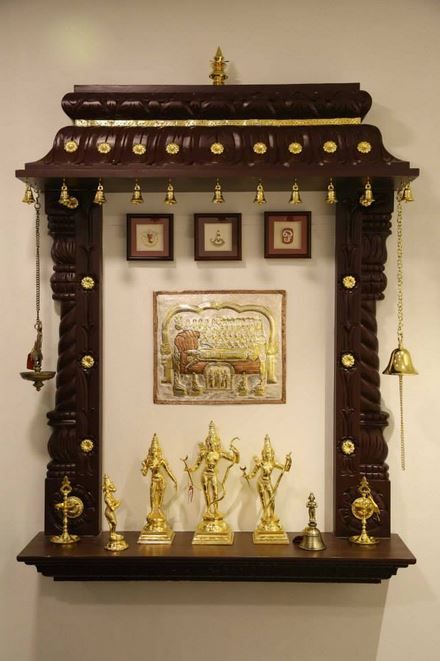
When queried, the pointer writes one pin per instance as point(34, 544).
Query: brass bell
point(28, 197)
point(218, 195)
point(400, 363)
point(99, 195)
point(259, 194)
point(295, 197)
point(311, 540)
point(136, 198)
point(170, 197)
point(367, 198)
point(407, 194)
point(64, 194)
point(331, 194)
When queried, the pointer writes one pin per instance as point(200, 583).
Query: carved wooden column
point(74, 445)
point(360, 447)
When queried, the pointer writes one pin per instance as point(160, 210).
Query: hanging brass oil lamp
point(400, 363)
point(35, 356)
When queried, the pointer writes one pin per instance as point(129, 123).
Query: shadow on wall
point(215, 621)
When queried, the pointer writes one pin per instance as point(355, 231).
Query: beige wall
point(393, 50)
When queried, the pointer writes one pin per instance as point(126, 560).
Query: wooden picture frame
point(287, 234)
point(150, 236)
point(217, 236)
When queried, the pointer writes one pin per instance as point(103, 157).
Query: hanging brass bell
point(99, 195)
point(28, 197)
point(400, 363)
point(331, 194)
point(170, 197)
point(259, 194)
point(218, 195)
point(407, 194)
point(136, 198)
point(295, 197)
point(367, 198)
point(64, 194)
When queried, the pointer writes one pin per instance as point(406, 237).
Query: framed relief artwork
point(149, 236)
point(217, 236)
point(219, 347)
point(287, 234)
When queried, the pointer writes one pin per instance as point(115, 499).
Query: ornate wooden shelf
point(341, 562)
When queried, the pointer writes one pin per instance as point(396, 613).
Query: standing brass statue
point(269, 530)
point(116, 541)
point(157, 529)
point(213, 529)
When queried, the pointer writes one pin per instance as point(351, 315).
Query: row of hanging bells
point(65, 199)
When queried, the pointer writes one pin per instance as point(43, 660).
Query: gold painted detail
point(87, 445)
point(188, 123)
point(217, 148)
point(87, 361)
point(70, 146)
point(349, 282)
point(330, 146)
point(260, 148)
point(104, 147)
point(364, 147)
point(87, 282)
point(348, 447)
point(295, 148)
point(348, 360)
point(139, 149)
point(172, 148)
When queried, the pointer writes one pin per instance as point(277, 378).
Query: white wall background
point(393, 50)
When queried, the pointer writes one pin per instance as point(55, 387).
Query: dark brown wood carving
point(76, 253)
point(359, 421)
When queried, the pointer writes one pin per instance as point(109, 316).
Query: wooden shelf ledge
point(341, 562)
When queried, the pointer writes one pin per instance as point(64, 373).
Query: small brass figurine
point(311, 539)
point(364, 508)
point(269, 530)
point(213, 529)
point(157, 529)
point(71, 507)
point(116, 541)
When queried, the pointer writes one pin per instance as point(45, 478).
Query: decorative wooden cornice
point(235, 132)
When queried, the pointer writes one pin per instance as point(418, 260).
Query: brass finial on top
point(218, 75)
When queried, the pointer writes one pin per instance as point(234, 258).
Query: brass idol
point(157, 529)
point(269, 530)
point(116, 541)
point(213, 529)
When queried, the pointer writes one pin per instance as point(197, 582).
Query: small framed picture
point(287, 234)
point(217, 236)
point(150, 236)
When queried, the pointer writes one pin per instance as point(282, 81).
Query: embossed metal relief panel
point(219, 347)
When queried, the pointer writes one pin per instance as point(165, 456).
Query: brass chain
point(37, 207)
point(399, 271)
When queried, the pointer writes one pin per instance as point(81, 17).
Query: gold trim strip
point(189, 123)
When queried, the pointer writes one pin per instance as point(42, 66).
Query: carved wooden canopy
point(238, 132)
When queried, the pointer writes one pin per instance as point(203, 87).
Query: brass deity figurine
point(269, 530)
point(71, 507)
point(213, 529)
point(311, 539)
point(157, 529)
point(364, 508)
point(116, 541)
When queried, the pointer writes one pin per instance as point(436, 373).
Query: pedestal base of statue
point(213, 530)
point(116, 542)
point(364, 539)
point(156, 531)
point(270, 535)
